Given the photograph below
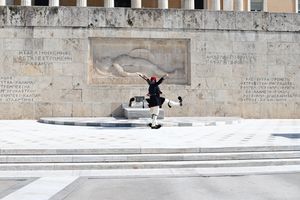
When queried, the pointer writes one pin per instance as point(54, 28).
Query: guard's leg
point(154, 113)
point(174, 103)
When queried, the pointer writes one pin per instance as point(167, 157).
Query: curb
point(118, 123)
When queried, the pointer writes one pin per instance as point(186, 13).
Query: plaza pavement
point(30, 135)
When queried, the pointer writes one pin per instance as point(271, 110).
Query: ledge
point(93, 17)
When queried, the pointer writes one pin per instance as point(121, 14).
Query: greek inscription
point(267, 90)
point(42, 57)
point(230, 59)
point(12, 90)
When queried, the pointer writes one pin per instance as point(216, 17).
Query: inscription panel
point(230, 59)
point(268, 90)
point(17, 90)
point(30, 57)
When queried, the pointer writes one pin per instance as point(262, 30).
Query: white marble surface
point(41, 189)
point(247, 133)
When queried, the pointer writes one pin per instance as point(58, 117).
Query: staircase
point(100, 159)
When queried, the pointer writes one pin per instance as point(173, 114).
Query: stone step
point(147, 157)
point(106, 151)
point(147, 165)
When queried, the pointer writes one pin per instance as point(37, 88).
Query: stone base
point(137, 112)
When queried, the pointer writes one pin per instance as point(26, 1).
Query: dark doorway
point(199, 4)
point(122, 3)
point(41, 2)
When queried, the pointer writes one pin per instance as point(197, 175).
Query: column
point(296, 6)
point(53, 2)
point(265, 5)
point(215, 5)
point(25, 2)
point(81, 3)
point(2, 2)
point(228, 5)
point(109, 3)
point(136, 3)
point(248, 5)
point(188, 4)
point(163, 4)
point(205, 4)
point(239, 5)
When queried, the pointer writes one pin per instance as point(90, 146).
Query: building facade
point(288, 6)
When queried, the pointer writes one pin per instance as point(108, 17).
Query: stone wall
point(237, 63)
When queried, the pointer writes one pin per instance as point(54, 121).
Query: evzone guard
point(155, 101)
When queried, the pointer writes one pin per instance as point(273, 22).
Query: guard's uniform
point(154, 100)
point(154, 93)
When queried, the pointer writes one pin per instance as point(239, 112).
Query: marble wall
point(229, 63)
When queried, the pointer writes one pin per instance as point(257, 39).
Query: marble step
point(147, 157)
point(148, 165)
point(106, 151)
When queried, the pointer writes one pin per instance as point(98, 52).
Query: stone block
point(14, 44)
point(222, 71)
point(244, 47)
point(242, 36)
point(146, 18)
point(101, 109)
point(74, 16)
point(15, 16)
point(285, 110)
point(69, 95)
point(250, 110)
point(222, 96)
point(297, 23)
point(82, 110)
point(223, 46)
point(136, 113)
point(97, 17)
point(42, 109)
point(244, 21)
point(53, 44)
point(283, 48)
point(173, 19)
point(36, 16)
point(62, 109)
point(21, 110)
point(62, 82)
point(193, 19)
point(115, 17)
point(211, 20)
point(260, 21)
point(227, 20)
point(3, 15)
point(276, 71)
point(281, 22)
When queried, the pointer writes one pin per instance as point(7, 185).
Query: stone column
point(215, 5)
point(53, 2)
point(296, 6)
point(109, 3)
point(136, 3)
point(2, 2)
point(188, 4)
point(163, 4)
point(265, 5)
point(248, 5)
point(81, 3)
point(205, 4)
point(25, 2)
point(239, 5)
point(228, 5)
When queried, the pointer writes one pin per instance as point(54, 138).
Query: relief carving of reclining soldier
point(126, 57)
